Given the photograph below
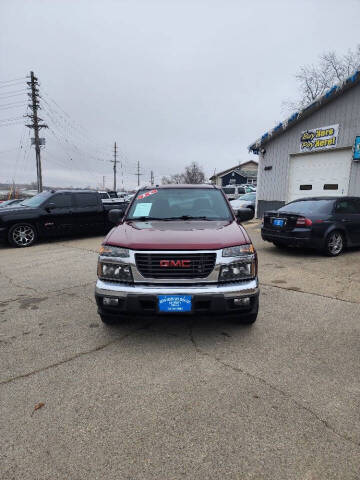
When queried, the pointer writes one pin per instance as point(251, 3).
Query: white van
point(235, 191)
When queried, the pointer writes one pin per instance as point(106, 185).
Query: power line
point(13, 80)
point(9, 119)
point(12, 94)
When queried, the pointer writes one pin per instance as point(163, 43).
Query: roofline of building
point(224, 172)
point(296, 117)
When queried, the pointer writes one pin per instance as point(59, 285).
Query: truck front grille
point(186, 265)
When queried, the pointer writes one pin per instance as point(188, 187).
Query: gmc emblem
point(175, 263)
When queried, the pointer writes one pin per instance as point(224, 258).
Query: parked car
point(55, 213)
point(235, 191)
point(12, 202)
point(178, 249)
point(329, 224)
point(111, 197)
point(245, 201)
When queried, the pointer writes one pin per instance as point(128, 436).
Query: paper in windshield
point(142, 209)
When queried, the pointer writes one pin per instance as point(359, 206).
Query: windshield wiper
point(145, 219)
point(191, 217)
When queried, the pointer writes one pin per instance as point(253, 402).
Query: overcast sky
point(172, 81)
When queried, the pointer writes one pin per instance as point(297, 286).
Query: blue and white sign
point(174, 303)
point(357, 149)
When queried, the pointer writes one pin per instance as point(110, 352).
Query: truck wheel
point(22, 235)
point(109, 319)
point(248, 319)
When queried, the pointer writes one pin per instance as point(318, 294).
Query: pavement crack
point(292, 289)
point(46, 293)
point(70, 359)
point(13, 282)
point(241, 371)
point(88, 250)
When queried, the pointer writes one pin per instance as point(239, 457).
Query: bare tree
point(314, 80)
point(177, 178)
point(192, 174)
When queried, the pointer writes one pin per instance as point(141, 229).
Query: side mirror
point(116, 215)
point(244, 214)
point(50, 206)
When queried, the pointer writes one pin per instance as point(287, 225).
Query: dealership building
point(315, 152)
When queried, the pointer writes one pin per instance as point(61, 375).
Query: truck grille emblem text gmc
point(175, 263)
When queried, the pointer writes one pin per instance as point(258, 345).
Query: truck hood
point(5, 211)
point(177, 235)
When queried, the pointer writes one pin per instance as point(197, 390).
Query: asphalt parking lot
point(182, 398)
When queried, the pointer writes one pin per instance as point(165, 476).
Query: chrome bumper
point(243, 289)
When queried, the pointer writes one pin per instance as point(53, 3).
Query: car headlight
point(238, 250)
point(110, 251)
point(117, 272)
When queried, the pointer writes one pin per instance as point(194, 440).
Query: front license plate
point(174, 303)
point(278, 222)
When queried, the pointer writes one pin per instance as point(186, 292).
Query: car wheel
point(334, 244)
point(22, 235)
point(109, 319)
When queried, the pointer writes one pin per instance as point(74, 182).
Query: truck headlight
point(119, 272)
point(238, 250)
point(110, 251)
point(240, 270)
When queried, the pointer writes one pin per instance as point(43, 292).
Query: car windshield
point(8, 202)
point(35, 201)
point(308, 207)
point(180, 203)
point(229, 190)
point(249, 197)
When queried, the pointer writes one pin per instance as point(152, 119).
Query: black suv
point(326, 223)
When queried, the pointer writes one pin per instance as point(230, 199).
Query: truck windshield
point(180, 203)
point(35, 201)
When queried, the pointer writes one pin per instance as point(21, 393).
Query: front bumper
point(206, 298)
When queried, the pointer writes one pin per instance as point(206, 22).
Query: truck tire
point(249, 319)
point(22, 235)
point(109, 319)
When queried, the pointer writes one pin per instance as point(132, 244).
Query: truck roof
point(68, 190)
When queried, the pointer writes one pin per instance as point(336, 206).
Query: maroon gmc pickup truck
point(178, 249)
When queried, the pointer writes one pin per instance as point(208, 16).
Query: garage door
point(318, 174)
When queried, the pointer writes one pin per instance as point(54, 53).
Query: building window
point(331, 186)
point(305, 187)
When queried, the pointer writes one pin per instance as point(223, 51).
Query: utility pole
point(35, 125)
point(114, 162)
point(152, 178)
point(138, 174)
